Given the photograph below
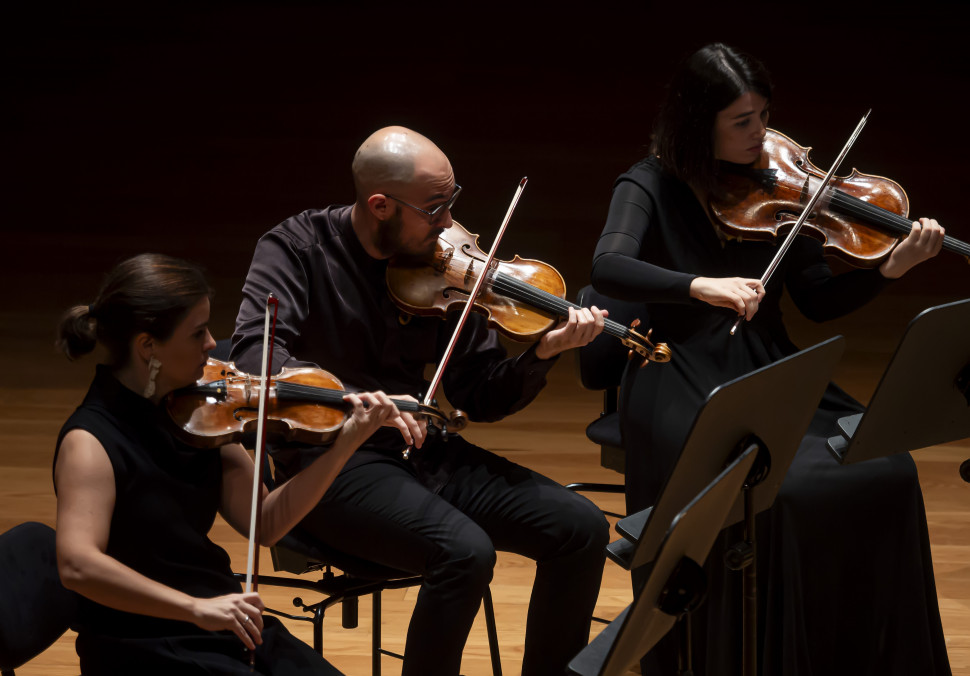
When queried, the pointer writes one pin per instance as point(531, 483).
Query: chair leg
point(490, 628)
point(318, 629)
point(348, 612)
point(376, 635)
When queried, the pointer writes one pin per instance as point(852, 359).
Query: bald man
point(443, 512)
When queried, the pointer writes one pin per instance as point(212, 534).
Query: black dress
point(845, 575)
point(166, 499)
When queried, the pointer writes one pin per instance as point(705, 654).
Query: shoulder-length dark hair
point(709, 81)
point(149, 293)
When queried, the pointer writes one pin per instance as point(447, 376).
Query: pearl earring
point(153, 368)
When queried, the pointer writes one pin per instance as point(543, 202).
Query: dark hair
point(710, 80)
point(149, 293)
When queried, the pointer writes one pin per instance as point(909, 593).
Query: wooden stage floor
point(40, 389)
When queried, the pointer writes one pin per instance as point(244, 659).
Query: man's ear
point(380, 207)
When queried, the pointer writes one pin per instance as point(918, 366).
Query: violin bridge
point(442, 259)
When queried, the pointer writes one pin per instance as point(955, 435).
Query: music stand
point(673, 584)
point(923, 397)
point(774, 404)
point(770, 408)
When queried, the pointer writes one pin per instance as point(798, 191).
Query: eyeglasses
point(438, 211)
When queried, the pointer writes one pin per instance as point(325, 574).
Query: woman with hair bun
point(845, 573)
point(135, 504)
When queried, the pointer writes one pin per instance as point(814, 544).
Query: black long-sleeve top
point(658, 238)
point(335, 313)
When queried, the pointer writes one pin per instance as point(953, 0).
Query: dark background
point(192, 129)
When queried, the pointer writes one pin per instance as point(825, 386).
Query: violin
point(860, 219)
point(523, 298)
point(303, 404)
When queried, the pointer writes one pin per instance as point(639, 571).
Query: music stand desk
point(691, 534)
point(774, 404)
point(923, 398)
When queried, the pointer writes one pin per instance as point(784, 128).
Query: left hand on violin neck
point(580, 328)
point(924, 241)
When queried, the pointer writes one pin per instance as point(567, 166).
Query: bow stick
point(807, 211)
point(256, 505)
point(436, 380)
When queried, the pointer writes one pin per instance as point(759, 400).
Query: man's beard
point(389, 234)
point(390, 242)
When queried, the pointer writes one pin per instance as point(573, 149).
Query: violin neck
point(322, 395)
point(544, 301)
point(886, 220)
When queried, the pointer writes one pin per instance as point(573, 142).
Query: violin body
point(441, 284)
point(522, 298)
point(303, 405)
point(860, 219)
point(223, 406)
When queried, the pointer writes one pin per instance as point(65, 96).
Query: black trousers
point(382, 512)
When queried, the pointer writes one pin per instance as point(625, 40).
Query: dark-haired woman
point(846, 584)
point(134, 504)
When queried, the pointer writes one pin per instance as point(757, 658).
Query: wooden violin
point(522, 298)
point(304, 404)
point(860, 219)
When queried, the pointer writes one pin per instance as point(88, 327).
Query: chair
point(299, 553)
point(601, 365)
point(35, 608)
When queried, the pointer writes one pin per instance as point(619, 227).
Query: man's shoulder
point(314, 225)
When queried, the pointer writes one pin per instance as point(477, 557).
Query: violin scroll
point(644, 347)
point(455, 421)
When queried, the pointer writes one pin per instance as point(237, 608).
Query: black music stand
point(770, 408)
point(774, 404)
point(923, 398)
point(676, 581)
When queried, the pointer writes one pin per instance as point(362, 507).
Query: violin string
point(854, 206)
point(321, 395)
point(897, 224)
point(548, 302)
point(308, 392)
point(542, 299)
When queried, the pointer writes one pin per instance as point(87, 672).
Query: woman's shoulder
point(84, 449)
point(113, 415)
point(648, 173)
point(84, 432)
point(92, 415)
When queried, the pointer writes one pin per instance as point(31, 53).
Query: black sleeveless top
point(166, 498)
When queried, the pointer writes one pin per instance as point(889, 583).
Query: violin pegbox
point(644, 347)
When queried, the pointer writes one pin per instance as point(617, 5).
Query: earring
point(153, 367)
